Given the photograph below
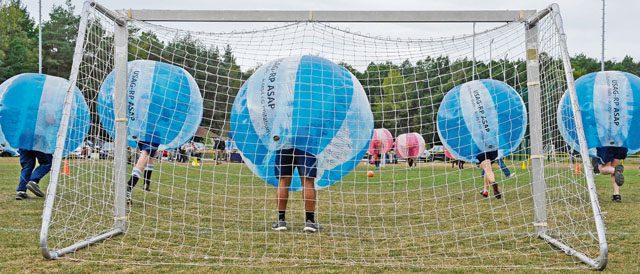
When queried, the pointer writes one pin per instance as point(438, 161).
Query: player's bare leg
point(606, 169)
point(142, 160)
point(489, 179)
point(283, 192)
point(282, 198)
point(137, 172)
point(309, 194)
point(310, 204)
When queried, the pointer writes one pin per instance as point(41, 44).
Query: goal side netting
point(210, 202)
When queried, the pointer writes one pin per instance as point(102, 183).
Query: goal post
point(599, 262)
point(120, 63)
point(535, 125)
point(208, 213)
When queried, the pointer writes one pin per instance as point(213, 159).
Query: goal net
point(209, 202)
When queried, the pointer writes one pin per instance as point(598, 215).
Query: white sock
point(136, 173)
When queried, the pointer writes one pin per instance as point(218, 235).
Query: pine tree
point(58, 40)
point(18, 46)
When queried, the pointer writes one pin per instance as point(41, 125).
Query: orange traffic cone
point(65, 168)
point(577, 169)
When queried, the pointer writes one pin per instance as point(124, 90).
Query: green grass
point(401, 219)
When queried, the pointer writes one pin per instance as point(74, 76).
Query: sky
point(582, 18)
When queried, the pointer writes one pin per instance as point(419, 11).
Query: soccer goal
point(210, 204)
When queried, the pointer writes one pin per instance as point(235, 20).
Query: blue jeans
point(503, 167)
point(28, 163)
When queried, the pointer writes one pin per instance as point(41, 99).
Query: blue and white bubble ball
point(609, 102)
point(309, 103)
point(31, 107)
point(164, 104)
point(481, 116)
point(4, 145)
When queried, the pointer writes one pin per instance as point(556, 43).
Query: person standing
point(30, 176)
point(288, 159)
point(143, 168)
point(453, 160)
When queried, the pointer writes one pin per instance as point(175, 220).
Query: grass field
point(431, 216)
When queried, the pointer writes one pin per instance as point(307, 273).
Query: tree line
point(404, 97)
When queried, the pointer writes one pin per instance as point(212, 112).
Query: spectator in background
point(182, 154)
point(189, 150)
point(227, 148)
point(220, 151)
point(453, 159)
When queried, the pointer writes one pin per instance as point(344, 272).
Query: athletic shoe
point(33, 187)
point(618, 176)
point(496, 191)
point(312, 227)
point(21, 195)
point(484, 193)
point(616, 198)
point(279, 226)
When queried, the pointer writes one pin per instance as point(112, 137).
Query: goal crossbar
point(361, 16)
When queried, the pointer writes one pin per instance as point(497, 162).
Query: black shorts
point(607, 154)
point(149, 148)
point(489, 155)
point(288, 159)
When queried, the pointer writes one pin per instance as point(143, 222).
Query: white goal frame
point(528, 18)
